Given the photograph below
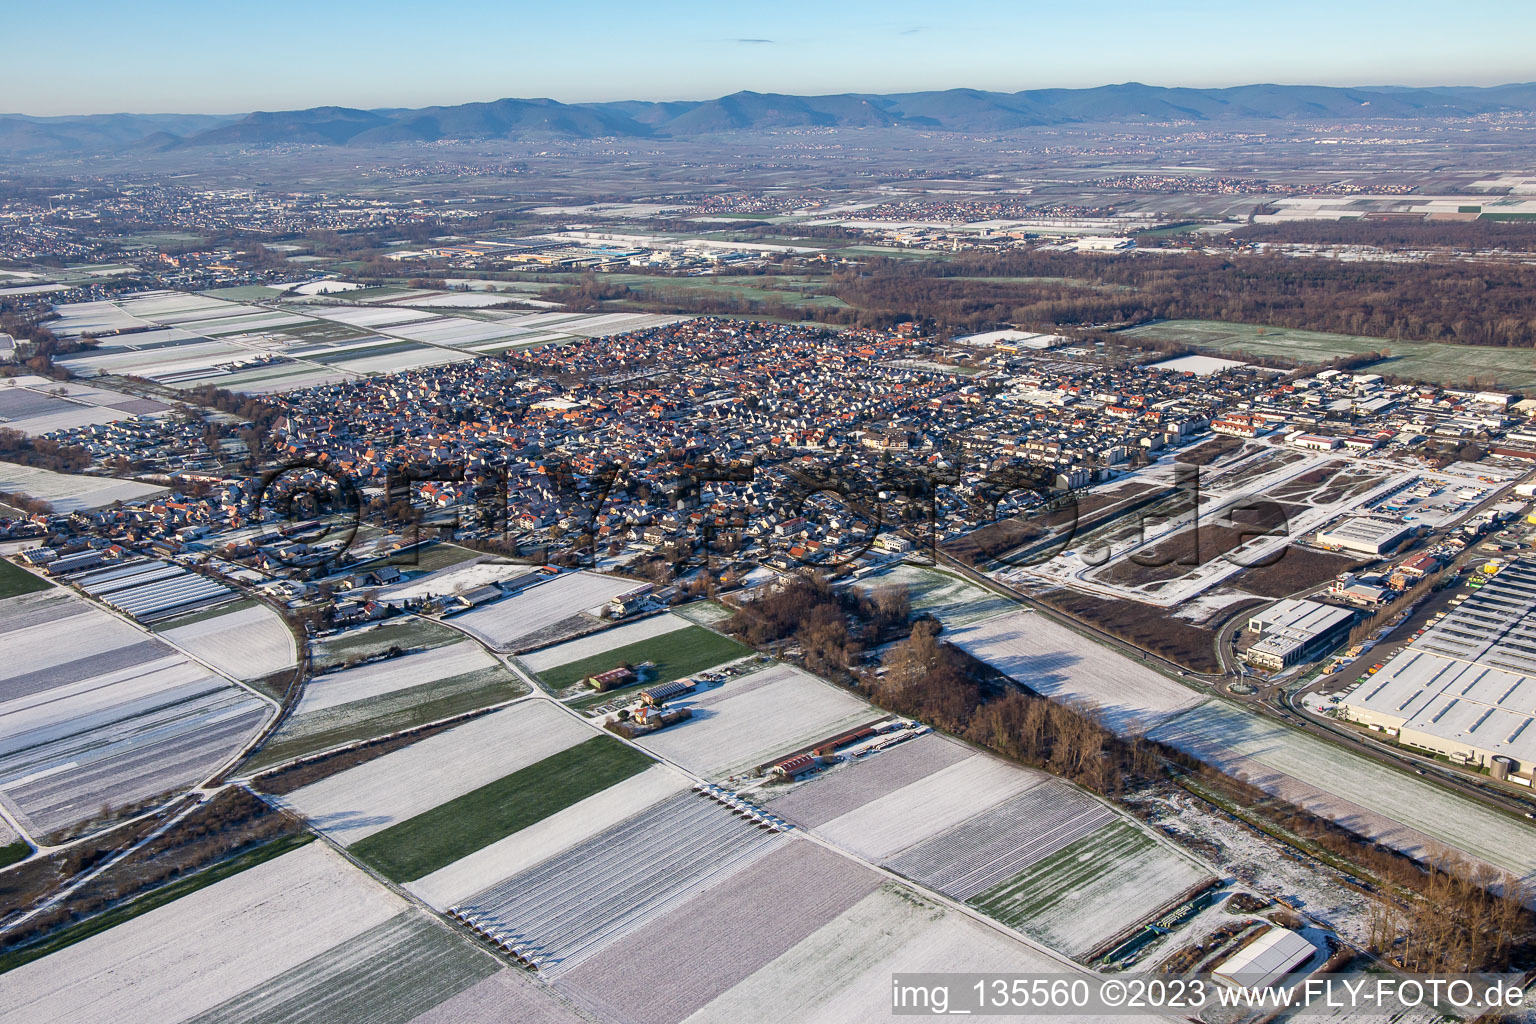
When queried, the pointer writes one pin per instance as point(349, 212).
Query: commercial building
point(1294, 631)
point(1365, 534)
point(1466, 689)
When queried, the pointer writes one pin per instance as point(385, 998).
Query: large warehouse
point(1466, 688)
point(1292, 631)
point(1366, 534)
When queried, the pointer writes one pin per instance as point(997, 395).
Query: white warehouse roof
point(1266, 959)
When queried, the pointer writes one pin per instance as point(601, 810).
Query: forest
point(1485, 303)
point(1472, 235)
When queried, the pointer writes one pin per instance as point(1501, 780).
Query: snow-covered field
point(831, 794)
point(1399, 809)
point(574, 904)
point(381, 677)
point(453, 580)
point(841, 972)
point(247, 643)
point(550, 836)
point(504, 624)
point(1089, 892)
point(607, 640)
point(757, 718)
point(884, 827)
point(1054, 661)
point(94, 712)
point(69, 492)
point(950, 599)
point(683, 959)
point(192, 954)
point(31, 405)
point(357, 803)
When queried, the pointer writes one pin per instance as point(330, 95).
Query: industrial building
point(1466, 689)
point(1295, 631)
point(1365, 534)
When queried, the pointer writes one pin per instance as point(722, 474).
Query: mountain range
point(952, 110)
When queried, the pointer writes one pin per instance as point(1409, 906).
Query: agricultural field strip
point(192, 954)
point(378, 678)
point(507, 997)
point(70, 492)
point(247, 643)
point(830, 794)
point(1000, 842)
point(455, 829)
point(1092, 889)
point(599, 643)
point(679, 961)
point(841, 972)
point(130, 719)
point(391, 972)
point(124, 761)
point(356, 803)
point(756, 718)
point(573, 904)
point(885, 827)
point(1058, 663)
point(1344, 784)
point(503, 623)
point(549, 837)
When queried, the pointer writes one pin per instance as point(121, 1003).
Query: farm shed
point(1266, 959)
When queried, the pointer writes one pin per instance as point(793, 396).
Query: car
point(1418, 771)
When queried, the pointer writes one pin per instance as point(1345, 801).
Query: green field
point(365, 352)
point(17, 851)
point(434, 839)
point(677, 654)
point(1511, 368)
point(15, 580)
point(1079, 867)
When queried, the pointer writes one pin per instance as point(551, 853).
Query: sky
point(148, 56)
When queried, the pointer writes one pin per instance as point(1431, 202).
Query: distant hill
point(956, 110)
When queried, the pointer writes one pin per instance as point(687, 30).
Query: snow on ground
point(1399, 809)
point(453, 580)
point(1200, 366)
point(885, 826)
point(950, 599)
point(69, 492)
point(31, 405)
point(547, 837)
point(192, 954)
point(1086, 894)
point(505, 997)
point(757, 718)
point(681, 960)
point(504, 623)
point(830, 794)
point(371, 797)
point(247, 643)
point(841, 973)
point(1058, 663)
point(381, 677)
point(94, 711)
point(607, 640)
